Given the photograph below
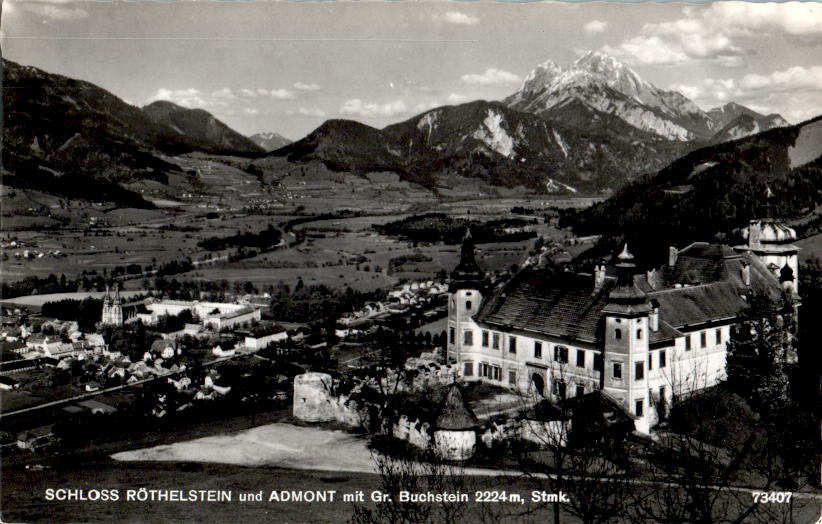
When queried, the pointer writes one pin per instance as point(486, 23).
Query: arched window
point(639, 334)
point(467, 304)
point(617, 333)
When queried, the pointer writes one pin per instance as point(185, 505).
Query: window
point(662, 360)
point(661, 392)
point(561, 354)
point(597, 362)
point(687, 342)
point(512, 376)
point(650, 362)
point(496, 341)
point(718, 336)
point(580, 358)
point(467, 304)
point(639, 370)
point(512, 345)
point(468, 337)
point(638, 408)
point(703, 339)
point(468, 370)
point(618, 370)
point(580, 391)
point(559, 388)
point(497, 373)
point(639, 334)
point(617, 333)
point(484, 338)
point(537, 349)
point(451, 335)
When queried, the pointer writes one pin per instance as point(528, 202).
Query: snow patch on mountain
point(561, 143)
point(607, 85)
point(492, 134)
point(428, 123)
point(552, 186)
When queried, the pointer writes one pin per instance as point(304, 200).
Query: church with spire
point(635, 337)
point(112, 308)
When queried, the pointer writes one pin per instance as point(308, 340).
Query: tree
point(428, 475)
point(761, 345)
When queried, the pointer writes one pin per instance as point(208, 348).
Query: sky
point(287, 67)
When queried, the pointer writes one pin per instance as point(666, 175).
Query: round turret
point(455, 437)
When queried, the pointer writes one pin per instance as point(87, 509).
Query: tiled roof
point(664, 333)
point(687, 306)
point(566, 306)
point(562, 305)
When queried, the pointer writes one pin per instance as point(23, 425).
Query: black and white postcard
point(410, 262)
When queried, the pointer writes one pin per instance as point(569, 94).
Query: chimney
point(599, 276)
point(653, 318)
point(673, 252)
point(651, 278)
point(746, 275)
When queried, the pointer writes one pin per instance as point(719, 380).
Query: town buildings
point(637, 337)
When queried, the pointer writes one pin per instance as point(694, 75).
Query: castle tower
point(625, 353)
point(771, 241)
point(464, 297)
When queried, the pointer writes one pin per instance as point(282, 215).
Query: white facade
point(263, 341)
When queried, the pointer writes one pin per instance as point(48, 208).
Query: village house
point(263, 336)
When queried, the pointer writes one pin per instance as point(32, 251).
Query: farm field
point(216, 196)
point(37, 301)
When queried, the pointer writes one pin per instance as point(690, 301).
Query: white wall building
point(638, 337)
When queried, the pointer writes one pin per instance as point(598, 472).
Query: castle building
point(637, 337)
point(112, 309)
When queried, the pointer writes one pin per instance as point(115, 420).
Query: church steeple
point(467, 274)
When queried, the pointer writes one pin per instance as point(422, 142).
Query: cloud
point(792, 79)
point(53, 10)
point(647, 50)
point(183, 97)
point(301, 86)
point(251, 111)
point(282, 94)
point(425, 106)
point(491, 76)
point(224, 93)
point(795, 92)
point(595, 27)
point(248, 92)
point(357, 107)
point(459, 18)
point(311, 111)
point(709, 33)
